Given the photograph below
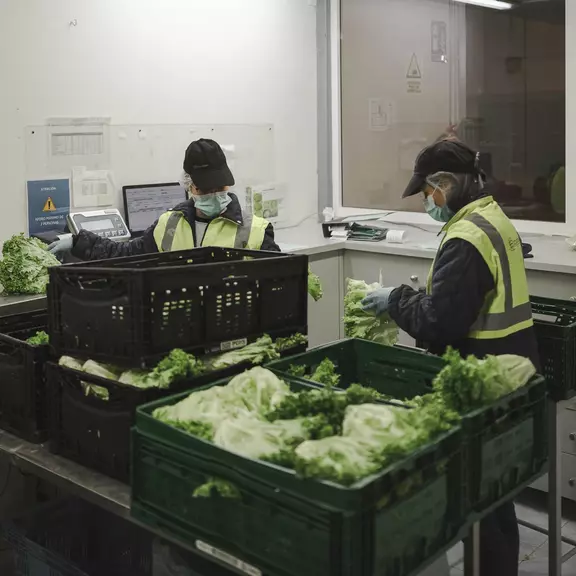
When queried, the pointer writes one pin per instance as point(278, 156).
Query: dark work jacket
point(89, 246)
point(461, 281)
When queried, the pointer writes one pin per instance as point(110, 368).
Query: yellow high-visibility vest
point(173, 232)
point(507, 308)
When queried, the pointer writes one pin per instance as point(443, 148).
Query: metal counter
point(17, 304)
point(100, 490)
point(37, 460)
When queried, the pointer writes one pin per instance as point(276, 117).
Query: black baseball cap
point(444, 156)
point(205, 162)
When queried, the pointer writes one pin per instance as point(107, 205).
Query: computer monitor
point(145, 203)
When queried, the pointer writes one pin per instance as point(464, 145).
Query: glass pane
point(414, 70)
point(515, 105)
point(394, 99)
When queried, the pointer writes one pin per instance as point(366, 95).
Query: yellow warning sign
point(49, 206)
point(414, 68)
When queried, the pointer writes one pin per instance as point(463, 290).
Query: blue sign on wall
point(48, 205)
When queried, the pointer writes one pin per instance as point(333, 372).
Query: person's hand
point(61, 246)
point(377, 301)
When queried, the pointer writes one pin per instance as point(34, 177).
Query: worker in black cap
point(212, 216)
point(476, 298)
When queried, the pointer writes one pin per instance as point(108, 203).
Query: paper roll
point(395, 236)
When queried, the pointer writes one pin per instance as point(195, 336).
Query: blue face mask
point(439, 213)
point(212, 205)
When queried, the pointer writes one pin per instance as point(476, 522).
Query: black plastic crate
point(23, 409)
point(555, 325)
point(134, 310)
point(96, 432)
point(390, 524)
point(73, 538)
point(91, 430)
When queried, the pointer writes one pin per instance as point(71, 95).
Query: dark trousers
point(500, 542)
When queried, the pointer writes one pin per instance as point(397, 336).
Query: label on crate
point(233, 344)
point(227, 559)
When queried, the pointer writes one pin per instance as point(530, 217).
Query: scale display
point(105, 223)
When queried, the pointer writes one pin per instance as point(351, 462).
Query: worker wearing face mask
point(211, 217)
point(476, 299)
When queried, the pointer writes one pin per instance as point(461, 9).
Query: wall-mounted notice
point(48, 205)
point(378, 120)
point(414, 71)
point(414, 76)
point(267, 201)
point(92, 188)
point(439, 42)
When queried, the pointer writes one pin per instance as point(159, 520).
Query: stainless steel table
point(17, 304)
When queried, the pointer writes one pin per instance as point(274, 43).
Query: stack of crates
point(131, 312)
point(555, 325)
point(73, 538)
point(23, 396)
point(392, 523)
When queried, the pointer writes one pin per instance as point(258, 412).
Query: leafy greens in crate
point(326, 434)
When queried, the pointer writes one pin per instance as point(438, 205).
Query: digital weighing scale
point(106, 223)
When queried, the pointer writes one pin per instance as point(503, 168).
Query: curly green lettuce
point(283, 344)
point(314, 286)
point(39, 339)
point(217, 486)
point(24, 265)
point(359, 323)
point(466, 384)
point(324, 434)
point(258, 352)
point(326, 373)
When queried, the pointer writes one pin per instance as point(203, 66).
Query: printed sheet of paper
point(92, 188)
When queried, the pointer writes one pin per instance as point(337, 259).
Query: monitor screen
point(145, 204)
point(96, 225)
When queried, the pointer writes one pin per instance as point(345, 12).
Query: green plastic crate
point(555, 325)
point(390, 524)
point(396, 371)
point(505, 444)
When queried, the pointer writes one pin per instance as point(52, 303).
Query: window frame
point(334, 138)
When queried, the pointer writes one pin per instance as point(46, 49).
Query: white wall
point(160, 62)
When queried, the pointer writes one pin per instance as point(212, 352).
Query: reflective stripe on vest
point(507, 308)
point(173, 232)
point(511, 315)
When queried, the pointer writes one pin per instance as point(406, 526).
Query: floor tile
point(569, 529)
point(532, 515)
point(569, 567)
point(527, 551)
point(538, 564)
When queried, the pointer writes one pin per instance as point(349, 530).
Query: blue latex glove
point(377, 301)
point(60, 247)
